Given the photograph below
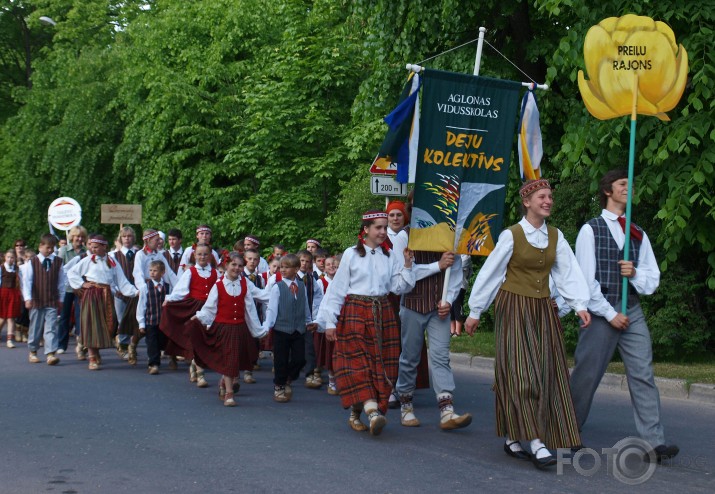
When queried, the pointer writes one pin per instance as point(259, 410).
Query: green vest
point(528, 270)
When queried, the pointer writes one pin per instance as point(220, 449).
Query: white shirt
point(374, 275)
point(399, 240)
point(566, 274)
point(99, 272)
point(207, 314)
point(317, 291)
point(29, 276)
point(181, 290)
point(185, 264)
point(272, 311)
point(141, 267)
point(647, 276)
point(141, 303)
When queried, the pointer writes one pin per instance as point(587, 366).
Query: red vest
point(231, 310)
point(199, 287)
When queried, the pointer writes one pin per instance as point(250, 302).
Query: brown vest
point(528, 270)
point(127, 269)
point(428, 291)
point(9, 279)
point(44, 282)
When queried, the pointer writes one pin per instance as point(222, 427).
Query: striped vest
point(291, 310)
point(231, 310)
point(127, 269)
point(154, 299)
point(608, 272)
point(44, 282)
point(528, 270)
point(428, 291)
point(170, 261)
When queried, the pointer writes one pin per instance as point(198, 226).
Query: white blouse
point(99, 272)
point(181, 290)
point(374, 275)
point(208, 312)
point(565, 272)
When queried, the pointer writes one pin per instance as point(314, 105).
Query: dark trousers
point(310, 359)
point(63, 333)
point(155, 343)
point(288, 356)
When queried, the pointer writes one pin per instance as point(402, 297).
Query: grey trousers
point(413, 330)
point(596, 346)
point(44, 323)
point(119, 306)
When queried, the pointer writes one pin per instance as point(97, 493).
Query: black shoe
point(662, 452)
point(394, 403)
point(542, 463)
point(519, 455)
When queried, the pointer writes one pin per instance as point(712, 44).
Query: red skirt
point(367, 351)
point(223, 348)
point(10, 303)
point(174, 317)
point(323, 351)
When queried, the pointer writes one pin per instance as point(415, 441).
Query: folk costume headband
point(203, 229)
point(374, 215)
point(150, 235)
point(312, 241)
point(252, 239)
point(100, 241)
point(532, 186)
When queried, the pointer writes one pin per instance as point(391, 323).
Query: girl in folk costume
point(10, 295)
point(222, 331)
point(182, 303)
point(358, 317)
point(126, 307)
point(95, 275)
point(324, 348)
point(203, 236)
point(533, 398)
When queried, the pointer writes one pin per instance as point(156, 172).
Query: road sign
point(387, 186)
point(64, 213)
point(383, 166)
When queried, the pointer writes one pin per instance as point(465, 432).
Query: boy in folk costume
point(151, 299)
point(222, 331)
point(203, 236)
point(10, 295)
point(288, 315)
point(95, 275)
point(175, 251)
point(358, 317)
point(313, 380)
point(599, 251)
point(43, 290)
point(125, 306)
point(319, 257)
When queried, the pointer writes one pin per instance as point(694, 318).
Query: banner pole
point(631, 160)
point(480, 44)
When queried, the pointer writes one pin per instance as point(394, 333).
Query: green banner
point(466, 134)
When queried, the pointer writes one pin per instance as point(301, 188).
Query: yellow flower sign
point(619, 49)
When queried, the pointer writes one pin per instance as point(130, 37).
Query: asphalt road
point(65, 429)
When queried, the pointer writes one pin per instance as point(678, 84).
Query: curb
point(669, 388)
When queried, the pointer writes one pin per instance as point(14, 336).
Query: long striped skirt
point(223, 348)
point(174, 316)
point(97, 316)
point(129, 325)
point(533, 397)
point(367, 351)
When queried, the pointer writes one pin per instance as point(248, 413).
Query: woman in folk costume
point(95, 275)
point(182, 303)
point(533, 398)
point(357, 315)
point(222, 331)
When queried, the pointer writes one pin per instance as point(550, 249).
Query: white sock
point(515, 446)
point(539, 449)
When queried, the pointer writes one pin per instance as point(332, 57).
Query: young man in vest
point(599, 251)
point(423, 310)
point(175, 251)
point(43, 290)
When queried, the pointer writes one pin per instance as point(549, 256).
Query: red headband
point(252, 239)
point(150, 235)
point(312, 241)
point(532, 186)
point(373, 216)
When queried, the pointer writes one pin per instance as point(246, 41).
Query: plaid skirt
point(367, 351)
point(223, 348)
point(174, 316)
point(10, 303)
point(533, 397)
point(97, 316)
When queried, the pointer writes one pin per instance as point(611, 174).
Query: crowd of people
point(376, 319)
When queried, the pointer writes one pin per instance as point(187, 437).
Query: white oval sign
point(64, 213)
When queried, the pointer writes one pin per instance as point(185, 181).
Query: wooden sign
point(122, 214)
